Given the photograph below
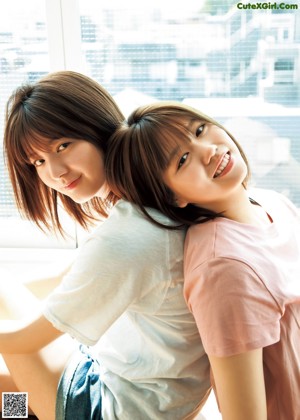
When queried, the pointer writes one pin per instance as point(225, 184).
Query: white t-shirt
point(242, 283)
point(124, 296)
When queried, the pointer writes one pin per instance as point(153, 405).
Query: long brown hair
point(61, 104)
point(139, 153)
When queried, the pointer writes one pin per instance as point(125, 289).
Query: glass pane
point(238, 65)
point(23, 56)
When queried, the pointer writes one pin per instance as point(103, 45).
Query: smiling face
point(72, 167)
point(206, 171)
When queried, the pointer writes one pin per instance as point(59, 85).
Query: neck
point(240, 209)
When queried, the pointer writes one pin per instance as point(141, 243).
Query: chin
point(82, 200)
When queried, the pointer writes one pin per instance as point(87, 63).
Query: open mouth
point(222, 165)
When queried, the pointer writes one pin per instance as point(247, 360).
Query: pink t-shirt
point(242, 283)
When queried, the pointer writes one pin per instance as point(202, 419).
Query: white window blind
point(23, 51)
point(239, 65)
point(24, 56)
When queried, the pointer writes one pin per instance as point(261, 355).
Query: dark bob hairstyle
point(139, 153)
point(61, 104)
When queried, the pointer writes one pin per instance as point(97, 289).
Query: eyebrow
point(32, 156)
point(191, 122)
point(188, 126)
point(47, 148)
point(173, 154)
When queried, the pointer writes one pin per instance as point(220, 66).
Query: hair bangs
point(23, 139)
point(30, 144)
point(164, 138)
point(151, 147)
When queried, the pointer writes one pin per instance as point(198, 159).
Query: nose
point(57, 168)
point(207, 152)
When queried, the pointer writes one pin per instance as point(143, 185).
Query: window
point(233, 64)
point(284, 64)
point(25, 56)
point(22, 40)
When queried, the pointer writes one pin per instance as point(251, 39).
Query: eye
point(182, 160)
point(38, 162)
point(63, 146)
point(199, 130)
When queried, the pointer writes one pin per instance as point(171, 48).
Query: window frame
point(64, 40)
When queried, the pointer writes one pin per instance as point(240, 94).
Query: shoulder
point(273, 201)
point(128, 233)
point(224, 273)
point(227, 297)
point(220, 237)
point(265, 194)
point(200, 242)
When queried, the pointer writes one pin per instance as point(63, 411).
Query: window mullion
point(64, 34)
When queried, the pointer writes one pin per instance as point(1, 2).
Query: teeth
point(222, 165)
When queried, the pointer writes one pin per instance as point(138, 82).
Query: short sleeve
point(234, 311)
point(120, 266)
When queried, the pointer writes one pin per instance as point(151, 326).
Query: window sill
point(26, 265)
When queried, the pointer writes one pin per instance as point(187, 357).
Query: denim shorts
point(79, 389)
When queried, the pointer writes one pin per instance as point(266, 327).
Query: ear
point(181, 203)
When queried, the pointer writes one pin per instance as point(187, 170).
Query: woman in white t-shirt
point(140, 356)
point(242, 252)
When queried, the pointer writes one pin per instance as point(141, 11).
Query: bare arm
point(18, 300)
point(26, 336)
point(240, 386)
point(42, 287)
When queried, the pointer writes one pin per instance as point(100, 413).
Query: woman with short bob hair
point(48, 110)
point(134, 152)
point(241, 258)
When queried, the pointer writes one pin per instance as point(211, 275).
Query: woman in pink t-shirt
point(242, 252)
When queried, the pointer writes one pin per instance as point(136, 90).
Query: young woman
point(242, 252)
point(122, 298)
